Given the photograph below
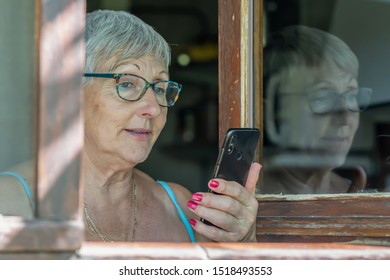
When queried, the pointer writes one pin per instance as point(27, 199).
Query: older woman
point(312, 112)
point(127, 93)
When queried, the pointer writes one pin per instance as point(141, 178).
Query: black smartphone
point(236, 155)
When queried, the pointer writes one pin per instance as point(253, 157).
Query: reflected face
point(119, 132)
point(327, 133)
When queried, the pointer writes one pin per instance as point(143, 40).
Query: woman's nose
point(342, 115)
point(150, 104)
point(340, 105)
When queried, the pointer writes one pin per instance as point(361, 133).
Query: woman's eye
point(159, 91)
point(126, 85)
point(323, 91)
point(322, 95)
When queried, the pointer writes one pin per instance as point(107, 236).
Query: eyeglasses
point(324, 101)
point(131, 87)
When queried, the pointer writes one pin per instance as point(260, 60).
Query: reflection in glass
point(325, 97)
point(16, 107)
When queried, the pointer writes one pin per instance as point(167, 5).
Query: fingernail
point(213, 184)
point(197, 197)
point(193, 222)
point(192, 205)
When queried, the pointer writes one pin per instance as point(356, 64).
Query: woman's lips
point(139, 133)
point(335, 139)
point(336, 144)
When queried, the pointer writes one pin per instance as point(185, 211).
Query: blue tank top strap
point(24, 184)
point(183, 217)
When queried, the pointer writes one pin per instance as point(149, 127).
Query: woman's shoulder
point(275, 182)
point(15, 189)
point(180, 193)
point(25, 170)
point(179, 190)
point(354, 179)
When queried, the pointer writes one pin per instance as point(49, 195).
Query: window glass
point(16, 106)
point(326, 101)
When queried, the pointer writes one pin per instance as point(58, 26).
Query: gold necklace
point(103, 237)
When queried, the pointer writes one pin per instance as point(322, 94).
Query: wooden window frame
point(59, 58)
point(353, 218)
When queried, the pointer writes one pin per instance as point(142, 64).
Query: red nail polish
point(192, 205)
point(213, 184)
point(197, 197)
point(193, 222)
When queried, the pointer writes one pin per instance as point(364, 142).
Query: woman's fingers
point(252, 178)
point(232, 208)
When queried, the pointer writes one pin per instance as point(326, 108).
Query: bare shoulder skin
point(13, 198)
point(183, 195)
point(159, 218)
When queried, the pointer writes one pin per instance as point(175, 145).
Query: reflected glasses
point(324, 101)
point(131, 87)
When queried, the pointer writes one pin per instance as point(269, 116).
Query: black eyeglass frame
point(148, 84)
point(340, 95)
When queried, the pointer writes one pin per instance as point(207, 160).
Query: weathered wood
point(229, 15)
point(22, 236)
point(332, 218)
point(325, 206)
point(225, 251)
point(258, 74)
point(59, 49)
point(215, 251)
point(60, 60)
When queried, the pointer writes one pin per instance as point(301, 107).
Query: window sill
point(218, 251)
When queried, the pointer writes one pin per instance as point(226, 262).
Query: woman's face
point(330, 133)
point(118, 132)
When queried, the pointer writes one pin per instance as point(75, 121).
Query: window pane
point(316, 53)
point(17, 104)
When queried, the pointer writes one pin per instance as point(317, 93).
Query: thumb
point(359, 180)
point(253, 176)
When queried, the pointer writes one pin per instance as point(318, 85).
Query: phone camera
point(230, 148)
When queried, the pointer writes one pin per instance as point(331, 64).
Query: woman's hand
point(233, 210)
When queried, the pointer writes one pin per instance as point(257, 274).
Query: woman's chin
point(137, 157)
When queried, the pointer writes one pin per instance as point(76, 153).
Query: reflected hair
point(118, 35)
point(299, 45)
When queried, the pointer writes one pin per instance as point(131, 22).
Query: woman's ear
point(269, 107)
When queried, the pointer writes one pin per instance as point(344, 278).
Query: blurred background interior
point(187, 148)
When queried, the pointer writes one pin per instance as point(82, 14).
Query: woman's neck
point(312, 181)
point(103, 181)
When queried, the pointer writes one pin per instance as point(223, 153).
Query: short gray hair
point(299, 45)
point(119, 34)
